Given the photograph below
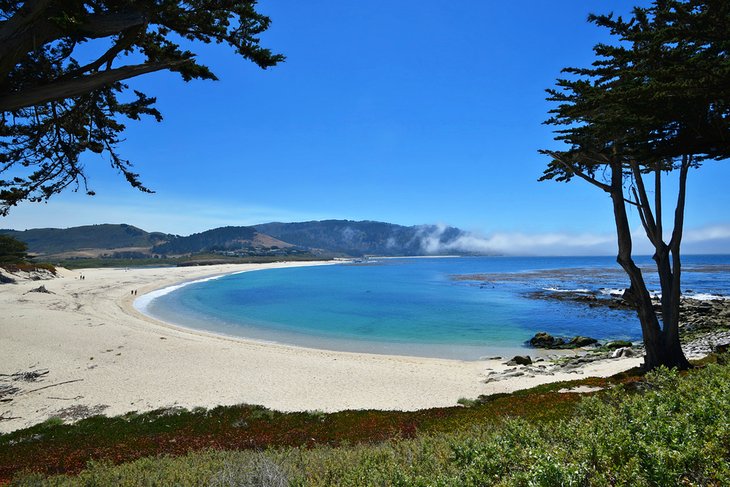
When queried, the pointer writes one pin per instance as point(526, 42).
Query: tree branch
point(28, 13)
point(126, 40)
point(658, 201)
point(42, 30)
point(580, 174)
point(642, 217)
point(645, 205)
point(78, 86)
point(679, 211)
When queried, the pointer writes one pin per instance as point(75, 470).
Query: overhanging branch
point(40, 29)
point(78, 86)
point(125, 40)
point(570, 168)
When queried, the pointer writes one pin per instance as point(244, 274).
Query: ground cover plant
point(667, 428)
point(53, 447)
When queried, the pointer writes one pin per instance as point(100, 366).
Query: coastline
point(104, 356)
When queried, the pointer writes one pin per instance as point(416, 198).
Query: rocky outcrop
point(616, 344)
point(623, 352)
point(581, 341)
point(520, 360)
point(699, 317)
point(545, 340)
point(6, 279)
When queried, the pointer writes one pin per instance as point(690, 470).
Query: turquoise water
point(416, 307)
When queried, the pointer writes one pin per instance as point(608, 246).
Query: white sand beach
point(103, 356)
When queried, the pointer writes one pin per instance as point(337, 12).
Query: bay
point(459, 308)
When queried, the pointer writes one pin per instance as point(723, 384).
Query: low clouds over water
point(714, 239)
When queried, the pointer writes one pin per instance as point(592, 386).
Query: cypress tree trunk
point(662, 345)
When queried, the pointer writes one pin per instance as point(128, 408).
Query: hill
point(324, 238)
point(47, 241)
point(220, 240)
point(364, 237)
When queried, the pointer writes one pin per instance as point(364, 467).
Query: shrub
point(675, 432)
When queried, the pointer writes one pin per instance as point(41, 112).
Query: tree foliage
point(55, 107)
point(12, 250)
point(660, 93)
point(654, 102)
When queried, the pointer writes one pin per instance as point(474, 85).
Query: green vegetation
point(14, 258)
point(49, 99)
point(359, 238)
point(217, 239)
point(324, 238)
point(106, 236)
point(654, 104)
point(668, 428)
point(52, 448)
point(12, 250)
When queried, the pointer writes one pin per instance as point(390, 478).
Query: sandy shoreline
point(104, 356)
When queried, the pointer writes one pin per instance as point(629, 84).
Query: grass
point(666, 428)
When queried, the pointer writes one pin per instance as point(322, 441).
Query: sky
point(409, 111)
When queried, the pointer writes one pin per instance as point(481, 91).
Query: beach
point(102, 356)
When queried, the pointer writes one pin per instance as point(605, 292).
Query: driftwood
point(8, 418)
point(7, 390)
point(52, 385)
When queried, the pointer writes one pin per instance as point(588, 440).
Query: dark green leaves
point(659, 92)
point(55, 108)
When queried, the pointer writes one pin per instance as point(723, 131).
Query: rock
point(6, 279)
point(613, 345)
point(629, 297)
point(580, 341)
point(622, 352)
point(721, 348)
point(520, 360)
point(545, 340)
point(40, 289)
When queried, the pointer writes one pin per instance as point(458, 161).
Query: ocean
point(458, 308)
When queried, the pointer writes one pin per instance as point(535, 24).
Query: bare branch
point(41, 30)
point(642, 217)
point(570, 168)
point(77, 86)
point(658, 200)
point(679, 211)
point(645, 205)
point(126, 40)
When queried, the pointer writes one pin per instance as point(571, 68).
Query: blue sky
point(403, 111)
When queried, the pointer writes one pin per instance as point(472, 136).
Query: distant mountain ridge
point(106, 236)
point(219, 239)
point(327, 237)
point(363, 237)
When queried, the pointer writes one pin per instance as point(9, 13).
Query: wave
point(618, 292)
point(706, 296)
point(558, 290)
point(142, 303)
